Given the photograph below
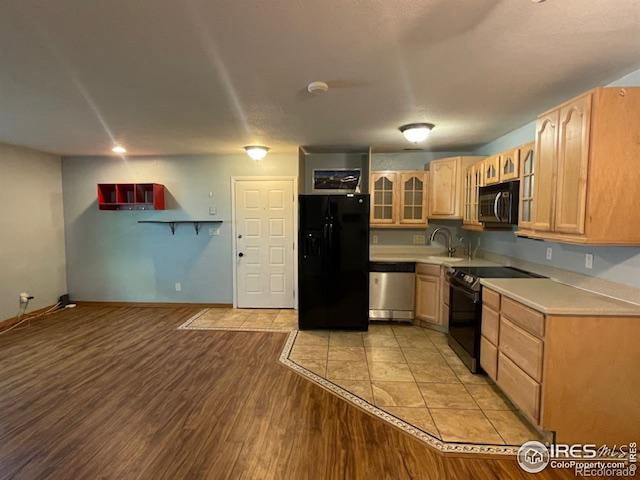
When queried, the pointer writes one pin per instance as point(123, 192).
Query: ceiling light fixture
point(416, 132)
point(316, 88)
point(119, 149)
point(256, 152)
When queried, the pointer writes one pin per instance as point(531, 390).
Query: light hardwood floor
point(106, 392)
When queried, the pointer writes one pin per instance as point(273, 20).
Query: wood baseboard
point(152, 304)
point(10, 322)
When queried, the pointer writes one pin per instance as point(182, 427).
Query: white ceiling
point(194, 76)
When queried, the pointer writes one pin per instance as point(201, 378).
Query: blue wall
point(110, 257)
point(618, 264)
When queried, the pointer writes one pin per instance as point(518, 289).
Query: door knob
point(241, 254)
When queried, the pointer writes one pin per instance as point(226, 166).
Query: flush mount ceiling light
point(119, 149)
point(316, 88)
point(256, 152)
point(416, 132)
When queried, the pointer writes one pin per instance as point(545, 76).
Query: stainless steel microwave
point(498, 204)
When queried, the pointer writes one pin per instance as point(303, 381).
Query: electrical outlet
point(549, 253)
point(588, 260)
point(212, 210)
point(374, 239)
point(178, 287)
point(210, 194)
point(418, 239)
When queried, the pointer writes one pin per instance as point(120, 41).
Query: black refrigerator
point(333, 262)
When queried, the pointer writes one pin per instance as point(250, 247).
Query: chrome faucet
point(444, 231)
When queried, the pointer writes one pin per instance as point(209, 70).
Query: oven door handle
point(496, 201)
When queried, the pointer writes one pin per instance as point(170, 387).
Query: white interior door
point(264, 236)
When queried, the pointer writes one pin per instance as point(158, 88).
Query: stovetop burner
point(469, 276)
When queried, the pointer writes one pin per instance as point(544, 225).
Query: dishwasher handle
point(392, 267)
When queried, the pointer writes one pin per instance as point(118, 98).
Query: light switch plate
point(588, 260)
point(549, 253)
point(178, 287)
point(374, 239)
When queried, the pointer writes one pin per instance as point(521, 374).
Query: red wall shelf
point(130, 196)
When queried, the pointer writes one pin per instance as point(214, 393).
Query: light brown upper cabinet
point(527, 177)
point(545, 168)
point(447, 187)
point(384, 198)
point(510, 165)
point(587, 170)
point(573, 160)
point(491, 170)
point(399, 199)
point(413, 197)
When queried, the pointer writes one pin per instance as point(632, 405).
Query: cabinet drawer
point(427, 269)
point(523, 390)
point(530, 320)
point(523, 348)
point(491, 299)
point(488, 358)
point(490, 324)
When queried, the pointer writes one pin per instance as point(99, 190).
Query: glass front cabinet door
point(384, 193)
point(526, 185)
point(413, 197)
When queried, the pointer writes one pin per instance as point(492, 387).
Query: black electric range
point(465, 308)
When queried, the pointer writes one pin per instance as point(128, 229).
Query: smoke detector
point(316, 88)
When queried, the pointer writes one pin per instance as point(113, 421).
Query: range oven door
point(465, 314)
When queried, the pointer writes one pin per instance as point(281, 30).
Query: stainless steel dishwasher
point(392, 290)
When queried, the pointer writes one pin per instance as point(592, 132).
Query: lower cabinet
point(573, 375)
point(523, 390)
point(489, 358)
point(431, 301)
point(511, 350)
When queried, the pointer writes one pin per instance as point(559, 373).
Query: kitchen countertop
point(430, 258)
point(553, 298)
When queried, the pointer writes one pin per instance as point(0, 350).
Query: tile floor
point(412, 374)
point(243, 320)
point(405, 371)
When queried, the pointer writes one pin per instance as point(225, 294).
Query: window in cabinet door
point(468, 195)
point(526, 186)
point(509, 165)
point(413, 195)
point(492, 170)
point(382, 210)
point(476, 183)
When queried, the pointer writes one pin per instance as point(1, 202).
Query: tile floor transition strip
point(445, 447)
point(185, 325)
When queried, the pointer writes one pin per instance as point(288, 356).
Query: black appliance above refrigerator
point(333, 262)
